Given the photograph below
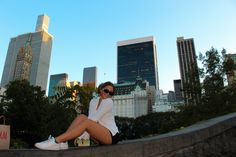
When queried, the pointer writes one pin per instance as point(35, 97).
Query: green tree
point(126, 127)
point(26, 109)
point(216, 95)
point(155, 123)
point(58, 119)
point(76, 97)
point(32, 117)
point(192, 86)
point(213, 80)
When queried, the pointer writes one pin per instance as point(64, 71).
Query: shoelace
point(50, 138)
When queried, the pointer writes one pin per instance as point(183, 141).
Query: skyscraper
point(178, 90)
point(57, 80)
point(188, 70)
point(28, 56)
point(137, 57)
point(90, 77)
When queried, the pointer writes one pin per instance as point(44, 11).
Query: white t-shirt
point(104, 114)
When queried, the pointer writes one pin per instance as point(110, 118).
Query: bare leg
point(79, 119)
point(95, 130)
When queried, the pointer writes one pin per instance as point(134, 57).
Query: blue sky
point(86, 32)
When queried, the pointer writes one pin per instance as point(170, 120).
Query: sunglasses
point(107, 91)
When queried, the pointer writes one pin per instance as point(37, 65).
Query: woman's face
point(106, 92)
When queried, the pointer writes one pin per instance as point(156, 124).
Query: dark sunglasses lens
point(106, 90)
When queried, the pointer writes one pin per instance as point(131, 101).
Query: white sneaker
point(50, 144)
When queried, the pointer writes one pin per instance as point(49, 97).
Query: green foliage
point(84, 95)
point(126, 127)
point(151, 124)
point(26, 109)
point(75, 97)
point(31, 116)
point(58, 119)
point(213, 78)
point(18, 144)
point(155, 123)
point(229, 99)
point(216, 96)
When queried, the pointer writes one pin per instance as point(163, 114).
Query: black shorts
point(115, 138)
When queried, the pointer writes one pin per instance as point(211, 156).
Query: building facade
point(188, 70)
point(178, 90)
point(131, 105)
point(137, 57)
point(57, 80)
point(90, 77)
point(162, 104)
point(28, 56)
point(166, 102)
point(231, 76)
point(58, 85)
point(133, 99)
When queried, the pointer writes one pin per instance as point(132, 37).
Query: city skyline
point(85, 33)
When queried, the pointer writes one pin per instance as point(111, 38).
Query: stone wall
point(217, 146)
point(215, 137)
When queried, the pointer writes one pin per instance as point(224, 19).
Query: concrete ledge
point(158, 146)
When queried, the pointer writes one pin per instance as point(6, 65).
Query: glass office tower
point(57, 80)
point(137, 58)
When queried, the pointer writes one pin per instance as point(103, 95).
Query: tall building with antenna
point(28, 56)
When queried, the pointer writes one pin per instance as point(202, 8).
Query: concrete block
point(120, 150)
point(29, 153)
point(200, 135)
point(77, 152)
point(156, 147)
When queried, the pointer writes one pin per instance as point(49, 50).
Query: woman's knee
point(82, 116)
